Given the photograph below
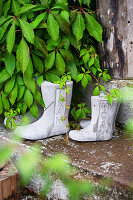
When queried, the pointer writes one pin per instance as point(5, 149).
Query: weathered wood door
point(116, 51)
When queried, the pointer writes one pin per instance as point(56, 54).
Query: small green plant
point(80, 112)
point(11, 118)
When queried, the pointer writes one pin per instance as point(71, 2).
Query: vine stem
point(99, 84)
point(67, 136)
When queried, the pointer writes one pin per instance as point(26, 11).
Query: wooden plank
point(9, 183)
point(116, 18)
point(130, 38)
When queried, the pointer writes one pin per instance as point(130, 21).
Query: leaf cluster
point(42, 41)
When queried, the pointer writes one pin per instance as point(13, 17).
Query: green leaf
point(87, 2)
point(27, 31)
point(62, 1)
point(28, 98)
point(45, 3)
point(94, 70)
point(71, 67)
point(108, 77)
point(23, 108)
point(1, 5)
point(27, 164)
point(38, 63)
point(91, 61)
point(78, 113)
point(66, 54)
point(30, 84)
point(20, 80)
point(59, 6)
point(52, 44)
point(65, 15)
point(4, 75)
point(15, 7)
point(87, 110)
point(26, 8)
point(34, 110)
point(13, 124)
point(11, 38)
point(102, 88)
point(4, 19)
point(51, 77)
point(80, 2)
point(21, 90)
point(96, 91)
point(66, 42)
point(21, 2)
point(38, 98)
point(97, 63)
point(60, 64)
point(40, 80)
point(40, 45)
point(83, 52)
point(9, 85)
point(78, 26)
point(89, 77)
point(105, 77)
point(84, 81)
point(63, 24)
point(52, 27)
point(1, 105)
point(9, 61)
point(38, 19)
point(79, 77)
point(29, 71)
point(74, 42)
point(42, 25)
point(83, 114)
point(23, 55)
point(6, 7)
point(110, 99)
point(13, 94)
point(86, 57)
point(3, 28)
point(5, 101)
point(93, 27)
point(49, 62)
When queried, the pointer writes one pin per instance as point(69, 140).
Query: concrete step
point(95, 161)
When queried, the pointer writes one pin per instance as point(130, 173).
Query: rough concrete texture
point(116, 50)
point(50, 124)
point(102, 123)
point(125, 111)
point(113, 158)
point(93, 160)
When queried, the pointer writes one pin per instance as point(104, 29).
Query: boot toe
point(75, 135)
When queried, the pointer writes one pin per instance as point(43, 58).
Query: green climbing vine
point(41, 40)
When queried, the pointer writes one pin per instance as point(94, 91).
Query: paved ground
point(112, 159)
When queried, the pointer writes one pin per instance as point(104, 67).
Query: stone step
point(95, 161)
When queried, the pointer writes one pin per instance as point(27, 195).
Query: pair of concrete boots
point(100, 127)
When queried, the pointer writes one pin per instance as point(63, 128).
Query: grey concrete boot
point(50, 122)
point(84, 123)
point(101, 126)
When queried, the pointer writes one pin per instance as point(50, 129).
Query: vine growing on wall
point(42, 40)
